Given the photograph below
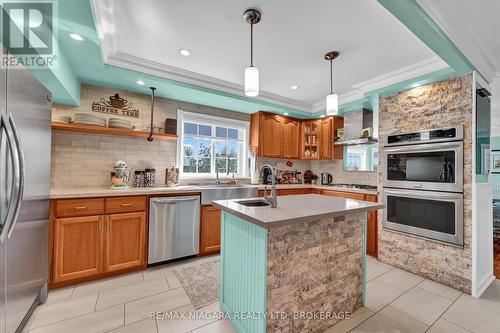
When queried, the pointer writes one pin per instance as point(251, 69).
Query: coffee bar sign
point(115, 105)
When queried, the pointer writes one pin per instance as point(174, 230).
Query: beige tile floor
point(397, 301)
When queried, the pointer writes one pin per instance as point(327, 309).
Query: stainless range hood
point(354, 124)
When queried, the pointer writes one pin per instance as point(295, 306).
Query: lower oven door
point(434, 215)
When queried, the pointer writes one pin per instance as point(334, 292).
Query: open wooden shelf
point(108, 130)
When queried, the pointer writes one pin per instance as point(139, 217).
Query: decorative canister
point(139, 178)
point(150, 177)
point(120, 175)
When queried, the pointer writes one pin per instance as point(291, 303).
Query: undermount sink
point(254, 203)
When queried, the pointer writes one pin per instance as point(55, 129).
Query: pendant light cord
point(251, 44)
point(331, 76)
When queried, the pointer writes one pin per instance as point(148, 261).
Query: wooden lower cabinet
point(124, 241)
point(210, 230)
point(88, 247)
point(77, 247)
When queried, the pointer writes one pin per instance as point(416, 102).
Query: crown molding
point(142, 65)
point(105, 26)
point(406, 73)
point(466, 42)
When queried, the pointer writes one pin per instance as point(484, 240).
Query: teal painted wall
point(243, 273)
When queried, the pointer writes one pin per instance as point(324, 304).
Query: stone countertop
point(88, 192)
point(296, 208)
point(83, 192)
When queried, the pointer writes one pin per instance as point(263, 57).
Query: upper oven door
point(435, 167)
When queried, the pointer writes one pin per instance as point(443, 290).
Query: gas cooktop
point(355, 186)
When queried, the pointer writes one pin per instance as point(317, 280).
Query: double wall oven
point(423, 184)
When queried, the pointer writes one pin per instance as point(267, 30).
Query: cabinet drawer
point(79, 207)
point(125, 204)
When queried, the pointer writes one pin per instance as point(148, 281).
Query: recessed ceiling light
point(184, 52)
point(140, 82)
point(294, 87)
point(286, 113)
point(322, 116)
point(76, 37)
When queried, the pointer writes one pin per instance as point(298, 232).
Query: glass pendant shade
point(251, 81)
point(332, 104)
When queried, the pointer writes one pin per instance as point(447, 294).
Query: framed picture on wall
point(495, 161)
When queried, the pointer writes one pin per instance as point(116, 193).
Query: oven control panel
point(433, 135)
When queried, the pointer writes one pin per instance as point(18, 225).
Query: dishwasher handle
point(172, 201)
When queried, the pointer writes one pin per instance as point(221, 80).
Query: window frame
point(213, 121)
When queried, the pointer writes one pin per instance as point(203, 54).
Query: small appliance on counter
point(308, 177)
point(120, 176)
point(145, 178)
point(326, 179)
point(266, 175)
point(172, 176)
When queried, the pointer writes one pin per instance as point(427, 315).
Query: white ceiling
point(290, 41)
point(474, 27)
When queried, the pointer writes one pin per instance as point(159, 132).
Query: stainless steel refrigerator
point(25, 138)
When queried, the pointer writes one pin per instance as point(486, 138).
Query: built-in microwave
point(434, 215)
point(430, 160)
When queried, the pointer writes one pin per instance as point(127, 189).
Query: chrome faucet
point(272, 200)
point(217, 180)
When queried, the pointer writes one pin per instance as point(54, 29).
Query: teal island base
point(297, 277)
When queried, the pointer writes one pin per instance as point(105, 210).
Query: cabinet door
point(291, 191)
point(77, 247)
point(271, 139)
point(210, 230)
point(326, 139)
point(124, 241)
point(291, 133)
point(372, 229)
point(310, 139)
point(338, 150)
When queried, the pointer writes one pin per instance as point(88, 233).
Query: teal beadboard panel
point(243, 273)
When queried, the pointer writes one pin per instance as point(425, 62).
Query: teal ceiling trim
point(416, 19)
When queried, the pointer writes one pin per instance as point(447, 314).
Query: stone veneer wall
point(85, 160)
point(442, 104)
point(304, 270)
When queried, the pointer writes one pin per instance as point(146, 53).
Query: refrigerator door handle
point(19, 189)
point(15, 178)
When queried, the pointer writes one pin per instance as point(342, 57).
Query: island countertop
point(296, 208)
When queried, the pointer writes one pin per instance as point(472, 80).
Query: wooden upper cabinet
point(124, 241)
point(271, 141)
point(326, 139)
point(276, 136)
point(310, 132)
point(77, 247)
point(291, 134)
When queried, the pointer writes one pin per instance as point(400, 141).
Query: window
point(208, 144)
point(361, 158)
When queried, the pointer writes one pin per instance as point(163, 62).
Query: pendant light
point(252, 16)
point(332, 100)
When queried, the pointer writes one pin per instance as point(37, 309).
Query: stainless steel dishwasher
point(174, 228)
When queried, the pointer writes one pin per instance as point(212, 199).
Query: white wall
point(495, 107)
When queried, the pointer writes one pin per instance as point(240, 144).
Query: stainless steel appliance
point(430, 160)
point(358, 128)
point(354, 186)
point(326, 179)
point(174, 228)
point(25, 149)
point(434, 215)
point(423, 184)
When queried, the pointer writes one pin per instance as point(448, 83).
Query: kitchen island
point(299, 267)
